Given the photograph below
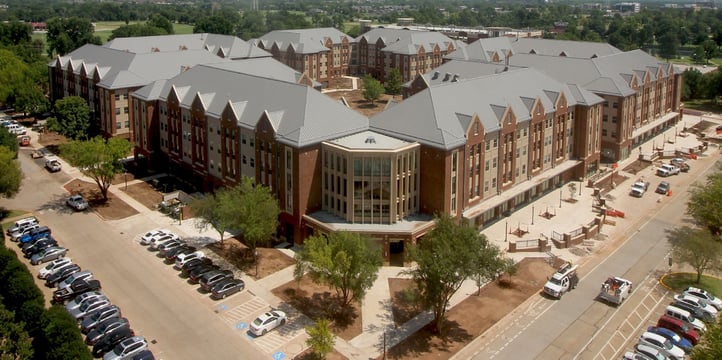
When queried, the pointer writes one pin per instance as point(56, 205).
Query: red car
point(682, 329)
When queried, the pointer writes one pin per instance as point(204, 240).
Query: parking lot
point(178, 321)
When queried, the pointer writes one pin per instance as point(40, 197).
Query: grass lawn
point(7, 214)
point(703, 105)
point(680, 281)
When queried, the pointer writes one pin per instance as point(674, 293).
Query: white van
point(22, 224)
point(685, 316)
point(16, 129)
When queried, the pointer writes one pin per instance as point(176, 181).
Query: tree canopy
point(320, 338)
point(72, 117)
point(348, 262)
point(394, 82)
point(373, 90)
point(217, 210)
point(710, 347)
point(256, 213)
point(9, 140)
point(67, 34)
point(705, 203)
point(696, 247)
point(445, 258)
point(10, 173)
point(97, 159)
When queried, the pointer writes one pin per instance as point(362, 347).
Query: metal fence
point(526, 244)
point(557, 236)
point(576, 232)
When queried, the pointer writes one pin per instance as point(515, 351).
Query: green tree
point(372, 89)
point(394, 83)
point(67, 34)
point(63, 336)
point(697, 248)
point(445, 258)
point(9, 140)
point(10, 173)
point(161, 22)
point(710, 347)
point(320, 338)
point(73, 117)
point(705, 203)
point(217, 211)
point(668, 45)
point(15, 342)
point(707, 50)
point(136, 30)
point(98, 159)
point(30, 99)
point(257, 212)
point(224, 22)
point(691, 83)
point(346, 261)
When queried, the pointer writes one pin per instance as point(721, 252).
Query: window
point(614, 119)
point(486, 166)
point(117, 124)
point(494, 163)
point(117, 97)
point(125, 110)
point(604, 132)
point(127, 124)
point(615, 105)
point(605, 118)
point(117, 111)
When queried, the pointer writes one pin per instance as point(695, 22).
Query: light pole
point(125, 175)
point(506, 229)
point(532, 214)
point(255, 257)
point(580, 185)
point(560, 198)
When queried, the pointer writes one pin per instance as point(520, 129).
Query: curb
point(661, 279)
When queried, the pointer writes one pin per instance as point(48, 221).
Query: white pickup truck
point(639, 188)
point(563, 280)
point(667, 170)
point(615, 289)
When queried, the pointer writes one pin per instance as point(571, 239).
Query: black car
point(696, 312)
point(76, 288)
point(194, 263)
point(183, 249)
point(99, 316)
point(38, 246)
point(195, 274)
point(108, 341)
point(59, 276)
point(32, 243)
point(663, 188)
point(164, 249)
point(213, 277)
point(227, 287)
point(104, 328)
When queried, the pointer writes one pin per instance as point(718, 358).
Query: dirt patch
point(403, 306)
point(637, 166)
point(308, 355)
point(52, 141)
point(269, 260)
point(356, 101)
point(113, 209)
point(123, 178)
point(145, 194)
point(476, 314)
point(319, 301)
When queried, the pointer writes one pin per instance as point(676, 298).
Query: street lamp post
point(532, 214)
point(560, 198)
point(255, 257)
point(580, 185)
point(125, 175)
point(506, 229)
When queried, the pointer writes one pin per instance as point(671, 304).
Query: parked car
point(227, 287)
point(98, 316)
point(193, 263)
point(649, 351)
point(184, 249)
point(639, 188)
point(144, 355)
point(19, 232)
point(686, 316)
point(182, 259)
point(53, 165)
point(87, 308)
point(667, 170)
point(705, 296)
point(629, 355)
point(195, 274)
point(663, 188)
point(31, 243)
point(77, 202)
point(61, 274)
point(267, 322)
point(78, 287)
point(156, 242)
point(148, 237)
point(107, 343)
point(22, 224)
point(38, 246)
point(663, 344)
point(127, 348)
point(672, 336)
point(213, 277)
point(698, 303)
point(80, 299)
point(681, 163)
point(72, 278)
point(53, 266)
point(39, 232)
point(165, 247)
point(104, 328)
point(48, 254)
point(696, 313)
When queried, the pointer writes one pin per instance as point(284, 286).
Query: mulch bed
point(269, 260)
point(145, 194)
point(319, 301)
point(112, 209)
point(308, 355)
point(403, 306)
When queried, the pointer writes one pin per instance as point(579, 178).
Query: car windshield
point(257, 322)
point(668, 344)
point(86, 305)
point(555, 281)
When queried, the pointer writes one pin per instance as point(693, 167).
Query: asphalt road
point(178, 321)
point(580, 327)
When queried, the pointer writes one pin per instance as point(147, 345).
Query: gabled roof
point(482, 50)
point(403, 41)
point(439, 115)
point(264, 67)
point(229, 47)
point(301, 115)
point(479, 50)
point(303, 41)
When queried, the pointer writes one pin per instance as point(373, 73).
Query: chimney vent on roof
point(456, 78)
point(436, 75)
point(447, 76)
point(370, 140)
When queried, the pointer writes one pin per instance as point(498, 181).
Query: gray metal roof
point(403, 41)
point(225, 46)
point(370, 141)
point(303, 41)
point(301, 115)
point(575, 49)
point(264, 67)
point(482, 50)
point(439, 115)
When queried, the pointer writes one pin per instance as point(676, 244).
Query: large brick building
point(322, 53)
point(106, 76)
